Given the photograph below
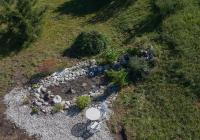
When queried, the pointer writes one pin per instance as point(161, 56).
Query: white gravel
point(49, 127)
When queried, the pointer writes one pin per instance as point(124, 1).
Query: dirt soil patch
point(77, 87)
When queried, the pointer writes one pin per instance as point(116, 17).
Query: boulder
point(43, 89)
point(57, 99)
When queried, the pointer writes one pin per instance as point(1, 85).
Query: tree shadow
point(79, 129)
point(111, 9)
point(73, 111)
point(81, 7)
point(11, 42)
point(150, 24)
point(71, 53)
point(103, 9)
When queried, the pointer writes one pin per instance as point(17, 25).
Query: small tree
point(89, 43)
point(22, 19)
point(83, 101)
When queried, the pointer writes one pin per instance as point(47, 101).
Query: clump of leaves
point(109, 56)
point(25, 100)
point(34, 110)
point(118, 78)
point(89, 43)
point(57, 108)
point(83, 102)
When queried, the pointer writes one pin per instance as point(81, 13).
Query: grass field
point(166, 105)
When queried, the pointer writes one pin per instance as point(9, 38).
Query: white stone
point(57, 99)
point(36, 95)
point(43, 89)
point(68, 103)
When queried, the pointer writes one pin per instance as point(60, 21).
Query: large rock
point(36, 95)
point(57, 99)
point(43, 89)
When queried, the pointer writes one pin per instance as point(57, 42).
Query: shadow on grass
point(71, 53)
point(103, 9)
point(81, 7)
point(11, 43)
point(110, 9)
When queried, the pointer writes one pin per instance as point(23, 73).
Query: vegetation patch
point(83, 102)
point(88, 44)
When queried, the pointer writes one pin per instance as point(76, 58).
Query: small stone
point(68, 103)
point(44, 111)
point(43, 89)
point(49, 92)
point(66, 107)
point(46, 103)
point(57, 99)
point(52, 96)
point(84, 84)
point(38, 103)
point(62, 103)
point(37, 95)
point(41, 100)
point(73, 91)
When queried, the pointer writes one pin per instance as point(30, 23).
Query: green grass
point(166, 105)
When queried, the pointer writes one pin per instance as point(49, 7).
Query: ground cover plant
point(163, 106)
point(83, 101)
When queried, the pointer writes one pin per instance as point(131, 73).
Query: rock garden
point(54, 107)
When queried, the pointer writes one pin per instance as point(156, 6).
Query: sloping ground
point(166, 105)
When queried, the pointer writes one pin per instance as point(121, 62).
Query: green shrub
point(57, 108)
point(83, 101)
point(110, 56)
point(34, 110)
point(89, 43)
point(138, 68)
point(23, 20)
point(118, 78)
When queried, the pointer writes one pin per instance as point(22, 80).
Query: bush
point(89, 43)
point(22, 19)
point(83, 101)
point(138, 68)
point(34, 110)
point(118, 78)
point(110, 56)
point(57, 108)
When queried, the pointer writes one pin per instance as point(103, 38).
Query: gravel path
point(49, 127)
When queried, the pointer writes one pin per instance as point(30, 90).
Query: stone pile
point(44, 100)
